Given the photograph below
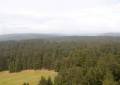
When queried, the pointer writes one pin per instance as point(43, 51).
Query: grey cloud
point(59, 16)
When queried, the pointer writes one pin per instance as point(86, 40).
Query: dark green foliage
point(44, 81)
point(78, 60)
point(49, 81)
point(25, 83)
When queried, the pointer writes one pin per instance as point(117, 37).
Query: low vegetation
point(27, 77)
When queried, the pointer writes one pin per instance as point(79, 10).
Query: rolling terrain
point(26, 36)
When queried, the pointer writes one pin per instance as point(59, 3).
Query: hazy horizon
point(70, 17)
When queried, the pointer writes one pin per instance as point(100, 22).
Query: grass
point(30, 76)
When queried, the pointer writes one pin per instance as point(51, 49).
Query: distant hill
point(111, 34)
point(58, 37)
point(26, 36)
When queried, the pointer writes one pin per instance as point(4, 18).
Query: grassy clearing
point(30, 76)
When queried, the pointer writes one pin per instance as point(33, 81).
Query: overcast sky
point(59, 16)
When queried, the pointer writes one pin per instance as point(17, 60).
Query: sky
point(72, 17)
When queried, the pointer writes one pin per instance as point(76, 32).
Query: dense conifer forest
point(78, 60)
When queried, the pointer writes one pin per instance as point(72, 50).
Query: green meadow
point(31, 76)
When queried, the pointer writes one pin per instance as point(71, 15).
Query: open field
point(19, 78)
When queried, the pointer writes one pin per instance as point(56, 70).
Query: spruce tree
point(49, 81)
point(43, 81)
point(25, 83)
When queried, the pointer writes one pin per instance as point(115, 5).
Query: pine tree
point(26, 83)
point(49, 81)
point(43, 81)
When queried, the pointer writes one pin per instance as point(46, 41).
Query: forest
point(78, 60)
